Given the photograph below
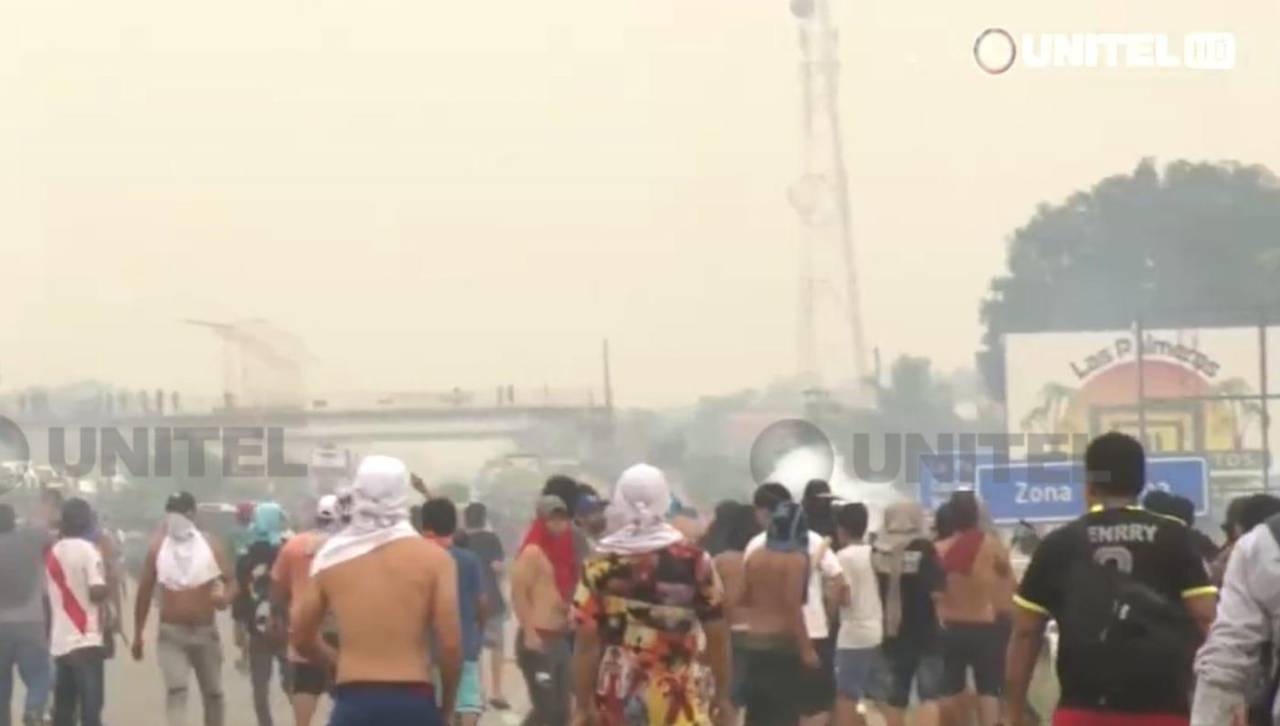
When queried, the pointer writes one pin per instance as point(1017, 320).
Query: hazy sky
point(466, 193)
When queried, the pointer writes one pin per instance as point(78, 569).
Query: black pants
point(80, 688)
point(265, 657)
point(774, 684)
point(546, 674)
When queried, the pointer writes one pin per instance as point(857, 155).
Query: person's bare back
point(975, 597)
point(773, 593)
point(385, 603)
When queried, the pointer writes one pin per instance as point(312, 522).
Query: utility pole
point(821, 197)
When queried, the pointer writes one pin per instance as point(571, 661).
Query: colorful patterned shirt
point(647, 610)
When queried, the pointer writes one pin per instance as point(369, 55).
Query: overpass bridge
point(302, 430)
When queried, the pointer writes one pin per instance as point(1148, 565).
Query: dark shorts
point(773, 682)
point(973, 646)
point(905, 664)
point(309, 679)
point(738, 674)
point(383, 704)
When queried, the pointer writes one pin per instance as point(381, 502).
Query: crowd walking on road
point(790, 608)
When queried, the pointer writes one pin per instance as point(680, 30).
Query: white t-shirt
point(862, 620)
point(822, 564)
point(72, 567)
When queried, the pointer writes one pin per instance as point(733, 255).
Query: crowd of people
point(781, 611)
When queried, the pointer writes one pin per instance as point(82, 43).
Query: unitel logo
point(996, 51)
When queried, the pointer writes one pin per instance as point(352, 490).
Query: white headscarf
point(642, 498)
point(185, 560)
point(379, 513)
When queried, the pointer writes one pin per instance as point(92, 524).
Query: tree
point(1194, 246)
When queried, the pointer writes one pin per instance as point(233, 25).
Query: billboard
point(1196, 384)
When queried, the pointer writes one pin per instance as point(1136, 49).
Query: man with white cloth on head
point(643, 600)
point(387, 588)
point(195, 582)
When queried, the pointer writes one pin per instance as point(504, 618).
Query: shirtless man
point(777, 643)
point(543, 577)
point(290, 575)
point(978, 572)
point(195, 582)
point(387, 588)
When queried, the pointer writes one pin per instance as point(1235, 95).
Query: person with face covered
point(190, 567)
point(387, 589)
point(642, 600)
point(289, 576)
point(252, 608)
point(780, 657)
point(543, 578)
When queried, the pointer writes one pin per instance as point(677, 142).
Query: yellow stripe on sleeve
point(1198, 591)
point(1026, 604)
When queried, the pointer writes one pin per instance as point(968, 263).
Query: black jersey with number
point(1151, 554)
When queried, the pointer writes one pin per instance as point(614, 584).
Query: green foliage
point(1196, 245)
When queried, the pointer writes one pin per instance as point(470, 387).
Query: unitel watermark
point(148, 451)
point(996, 50)
point(890, 457)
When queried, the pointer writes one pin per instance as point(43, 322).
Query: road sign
point(942, 473)
point(1054, 491)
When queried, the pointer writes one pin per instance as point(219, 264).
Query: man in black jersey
point(1131, 597)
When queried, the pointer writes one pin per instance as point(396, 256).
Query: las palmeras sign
point(1196, 386)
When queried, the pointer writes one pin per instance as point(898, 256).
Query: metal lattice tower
point(828, 264)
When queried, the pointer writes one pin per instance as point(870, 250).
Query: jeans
point(79, 687)
point(263, 655)
point(24, 645)
point(546, 674)
point(184, 648)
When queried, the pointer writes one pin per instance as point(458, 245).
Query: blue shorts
point(470, 699)
point(855, 669)
point(381, 704)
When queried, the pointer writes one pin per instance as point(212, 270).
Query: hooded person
point(252, 610)
point(783, 681)
point(788, 529)
point(379, 513)
point(185, 561)
point(909, 574)
point(643, 498)
point(390, 592)
point(817, 693)
point(643, 600)
point(192, 571)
